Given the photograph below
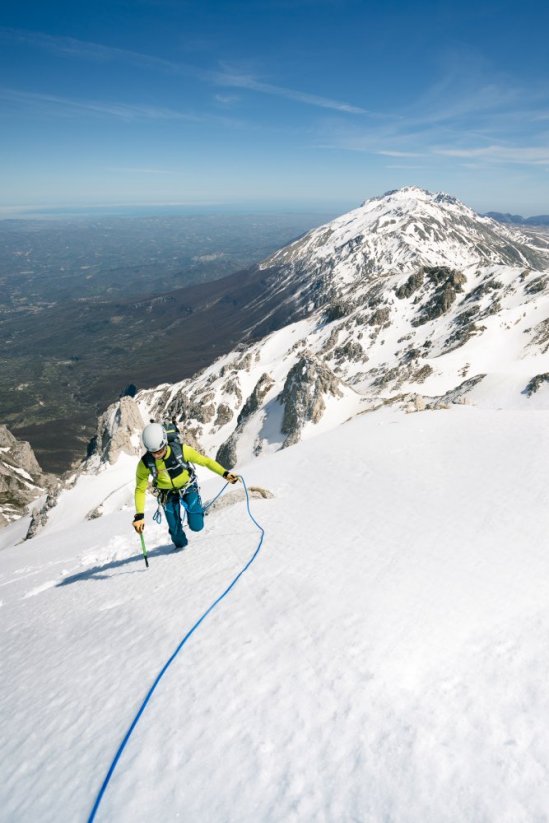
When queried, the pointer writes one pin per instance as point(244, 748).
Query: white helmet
point(154, 437)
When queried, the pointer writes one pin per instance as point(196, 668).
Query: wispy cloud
point(125, 111)
point(86, 50)
point(452, 98)
point(442, 143)
point(389, 153)
point(227, 77)
point(529, 155)
point(226, 99)
point(458, 116)
point(236, 79)
point(407, 167)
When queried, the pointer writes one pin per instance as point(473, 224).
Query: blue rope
point(219, 495)
point(176, 652)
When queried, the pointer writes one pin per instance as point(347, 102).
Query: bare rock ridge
point(21, 478)
point(117, 432)
point(518, 219)
point(307, 385)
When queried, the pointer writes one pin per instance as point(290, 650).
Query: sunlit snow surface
point(384, 659)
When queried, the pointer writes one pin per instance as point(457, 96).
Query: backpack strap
point(174, 462)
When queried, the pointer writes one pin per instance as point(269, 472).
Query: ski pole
point(144, 550)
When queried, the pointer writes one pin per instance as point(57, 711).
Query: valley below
point(90, 307)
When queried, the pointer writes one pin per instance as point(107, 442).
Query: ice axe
point(144, 550)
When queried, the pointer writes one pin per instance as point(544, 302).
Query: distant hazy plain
point(56, 268)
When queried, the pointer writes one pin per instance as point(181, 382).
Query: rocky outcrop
point(459, 393)
point(488, 286)
point(40, 516)
point(541, 336)
point(350, 352)
point(118, 430)
point(21, 478)
point(446, 284)
point(256, 398)
point(535, 383)
point(412, 284)
point(232, 387)
point(226, 454)
point(380, 317)
point(237, 496)
point(224, 415)
point(306, 386)
point(422, 374)
point(337, 309)
point(538, 284)
point(202, 408)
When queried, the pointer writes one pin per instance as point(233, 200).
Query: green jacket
point(164, 481)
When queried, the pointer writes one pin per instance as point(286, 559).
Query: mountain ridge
point(409, 227)
point(518, 219)
point(172, 335)
point(22, 480)
point(352, 325)
point(425, 336)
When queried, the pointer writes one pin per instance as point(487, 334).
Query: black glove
point(230, 478)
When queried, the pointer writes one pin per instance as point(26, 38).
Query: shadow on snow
point(98, 572)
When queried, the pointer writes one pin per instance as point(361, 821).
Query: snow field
point(384, 658)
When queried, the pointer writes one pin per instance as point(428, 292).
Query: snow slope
point(495, 334)
point(385, 658)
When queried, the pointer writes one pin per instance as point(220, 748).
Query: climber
point(174, 480)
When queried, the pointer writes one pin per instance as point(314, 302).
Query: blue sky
point(273, 103)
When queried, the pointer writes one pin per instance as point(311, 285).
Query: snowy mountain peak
point(411, 193)
point(398, 232)
point(412, 298)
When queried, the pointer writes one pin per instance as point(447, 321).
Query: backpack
point(175, 463)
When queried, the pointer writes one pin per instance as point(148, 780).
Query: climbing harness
point(163, 494)
point(168, 663)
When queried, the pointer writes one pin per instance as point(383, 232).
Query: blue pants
point(195, 514)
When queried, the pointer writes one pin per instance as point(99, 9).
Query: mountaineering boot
point(181, 544)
